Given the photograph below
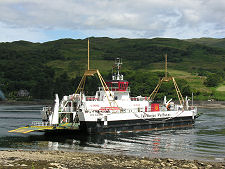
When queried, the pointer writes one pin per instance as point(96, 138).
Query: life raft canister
point(155, 107)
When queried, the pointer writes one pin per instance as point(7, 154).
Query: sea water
point(204, 141)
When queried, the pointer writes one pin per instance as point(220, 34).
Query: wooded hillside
point(57, 66)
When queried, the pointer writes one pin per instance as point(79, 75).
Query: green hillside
point(56, 66)
point(213, 42)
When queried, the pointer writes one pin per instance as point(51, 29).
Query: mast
point(92, 72)
point(167, 79)
point(166, 65)
point(88, 53)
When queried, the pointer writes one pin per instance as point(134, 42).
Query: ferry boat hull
point(135, 125)
point(136, 121)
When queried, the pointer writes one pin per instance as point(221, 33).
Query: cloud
point(116, 18)
point(11, 33)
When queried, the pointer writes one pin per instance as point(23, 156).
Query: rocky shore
point(210, 104)
point(63, 160)
point(33, 102)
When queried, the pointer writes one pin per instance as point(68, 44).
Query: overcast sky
point(45, 20)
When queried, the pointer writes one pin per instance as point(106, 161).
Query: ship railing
point(67, 109)
point(138, 98)
point(115, 89)
point(172, 108)
point(135, 110)
point(40, 123)
point(91, 98)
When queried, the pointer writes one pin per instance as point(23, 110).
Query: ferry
point(112, 109)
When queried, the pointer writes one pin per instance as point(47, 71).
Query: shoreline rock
point(61, 159)
point(34, 102)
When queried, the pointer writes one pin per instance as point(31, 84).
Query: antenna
point(117, 75)
point(88, 53)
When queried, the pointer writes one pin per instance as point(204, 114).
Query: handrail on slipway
point(40, 123)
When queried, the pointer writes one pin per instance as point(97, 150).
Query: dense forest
point(43, 69)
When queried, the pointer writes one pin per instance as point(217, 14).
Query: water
point(205, 141)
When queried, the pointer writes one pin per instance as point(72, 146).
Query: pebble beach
point(66, 160)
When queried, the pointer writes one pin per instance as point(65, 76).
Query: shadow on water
point(23, 141)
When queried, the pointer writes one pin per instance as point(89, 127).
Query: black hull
point(135, 125)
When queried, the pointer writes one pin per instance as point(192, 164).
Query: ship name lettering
point(147, 115)
point(162, 115)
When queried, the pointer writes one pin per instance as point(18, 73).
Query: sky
point(46, 20)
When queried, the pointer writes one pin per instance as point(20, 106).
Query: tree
point(63, 85)
point(213, 80)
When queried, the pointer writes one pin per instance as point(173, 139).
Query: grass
point(102, 65)
point(77, 67)
point(221, 88)
point(195, 82)
point(219, 95)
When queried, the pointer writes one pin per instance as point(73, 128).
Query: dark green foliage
point(63, 85)
point(43, 89)
point(92, 84)
point(213, 79)
point(144, 83)
point(168, 89)
point(141, 83)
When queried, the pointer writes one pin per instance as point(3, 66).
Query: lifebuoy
point(168, 106)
